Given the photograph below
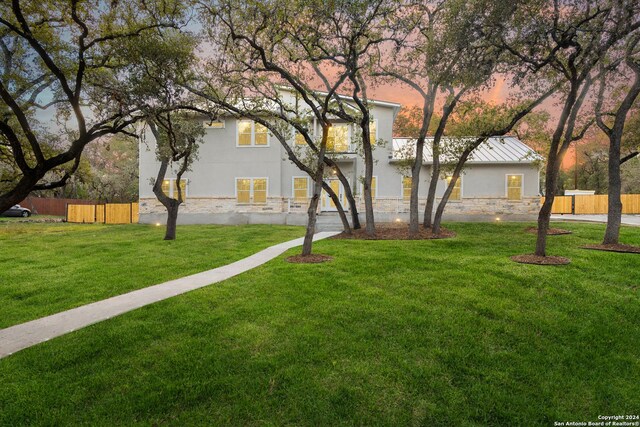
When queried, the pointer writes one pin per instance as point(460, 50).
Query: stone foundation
point(277, 210)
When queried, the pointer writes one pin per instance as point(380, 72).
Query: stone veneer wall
point(475, 206)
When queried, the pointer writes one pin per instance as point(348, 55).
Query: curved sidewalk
point(18, 337)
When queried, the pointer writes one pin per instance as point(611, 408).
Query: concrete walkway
point(626, 219)
point(18, 337)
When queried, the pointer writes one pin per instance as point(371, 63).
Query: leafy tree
point(266, 45)
point(177, 137)
point(615, 129)
point(564, 44)
point(446, 53)
point(113, 164)
point(408, 122)
point(68, 56)
point(483, 119)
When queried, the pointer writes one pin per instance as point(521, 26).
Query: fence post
point(130, 213)
point(573, 204)
point(66, 212)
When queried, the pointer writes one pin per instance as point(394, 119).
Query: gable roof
point(497, 149)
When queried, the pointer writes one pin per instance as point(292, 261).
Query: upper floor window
point(373, 130)
point(251, 134)
point(214, 124)
point(514, 187)
point(456, 193)
point(300, 139)
point(338, 140)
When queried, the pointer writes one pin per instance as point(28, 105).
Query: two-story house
point(242, 176)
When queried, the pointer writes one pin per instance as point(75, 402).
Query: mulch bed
point(550, 231)
point(395, 232)
point(540, 260)
point(627, 249)
point(308, 259)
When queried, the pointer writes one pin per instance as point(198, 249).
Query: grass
point(47, 268)
point(446, 332)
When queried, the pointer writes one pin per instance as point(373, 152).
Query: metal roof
point(497, 149)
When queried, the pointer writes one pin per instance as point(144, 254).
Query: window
point(251, 134)
point(170, 188)
point(251, 190)
point(214, 124)
point(406, 187)
point(338, 139)
point(456, 193)
point(374, 187)
point(244, 132)
point(243, 190)
point(514, 187)
point(300, 189)
point(183, 189)
point(261, 135)
point(260, 190)
point(373, 130)
point(300, 139)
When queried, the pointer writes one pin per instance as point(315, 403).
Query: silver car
point(17, 210)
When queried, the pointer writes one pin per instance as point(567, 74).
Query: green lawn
point(446, 332)
point(47, 268)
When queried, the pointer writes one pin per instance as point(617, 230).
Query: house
point(242, 175)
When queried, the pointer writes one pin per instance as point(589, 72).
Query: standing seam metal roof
point(505, 149)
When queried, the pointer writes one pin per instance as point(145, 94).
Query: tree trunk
point(433, 185)
point(311, 224)
point(437, 220)
point(614, 212)
point(317, 189)
point(18, 193)
point(414, 224)
point(170, 204)
point(370, 226)
point(353, 207)
point(172, 219)
point(414, 201)
point(336, 201)
point(544, 216)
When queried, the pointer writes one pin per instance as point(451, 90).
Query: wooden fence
point(593, 204)
point(50, 205)
point(109, 213)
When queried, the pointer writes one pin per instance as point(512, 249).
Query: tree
point(266, 46)
point(484, 120)
point(447, 54)
point(113, 164)
point(565, 43)
point(615, 131)
point(67, 56)
point(176, 135)
point(408, 122)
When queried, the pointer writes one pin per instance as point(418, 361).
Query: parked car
point(17, 210)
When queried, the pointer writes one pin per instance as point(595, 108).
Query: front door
point(326, 201)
